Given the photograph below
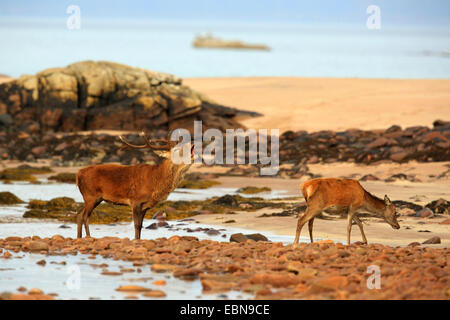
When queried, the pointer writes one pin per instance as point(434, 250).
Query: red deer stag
point(140, 186)
point(342, 196)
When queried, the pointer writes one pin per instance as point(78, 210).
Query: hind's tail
point(308, 190)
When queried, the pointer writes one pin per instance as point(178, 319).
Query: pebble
point(155, 294)
point(132, 288)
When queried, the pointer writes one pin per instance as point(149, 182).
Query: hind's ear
point(387, 200)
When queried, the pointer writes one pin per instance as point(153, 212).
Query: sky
point(424, 13)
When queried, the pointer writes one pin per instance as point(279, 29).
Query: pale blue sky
point(426, 13)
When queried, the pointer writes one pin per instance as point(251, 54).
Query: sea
point(30, 45)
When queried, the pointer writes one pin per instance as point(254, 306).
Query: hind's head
point(390, 213)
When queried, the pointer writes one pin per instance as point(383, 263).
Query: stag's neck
point(374, 204)
point(175, 172)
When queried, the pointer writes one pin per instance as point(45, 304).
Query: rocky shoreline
point(300, 148)
point(322, 270)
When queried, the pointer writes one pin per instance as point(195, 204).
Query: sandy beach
point(301, 103)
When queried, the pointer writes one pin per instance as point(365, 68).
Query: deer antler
point(148, 143)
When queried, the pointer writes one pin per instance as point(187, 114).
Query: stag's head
point(163, 148)
point(390, 213)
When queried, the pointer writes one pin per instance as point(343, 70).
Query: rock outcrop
point(92, 95)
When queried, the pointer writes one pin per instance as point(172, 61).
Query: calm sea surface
point(29, 46)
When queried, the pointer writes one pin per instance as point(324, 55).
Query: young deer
point(342, 196)
point(140, 186)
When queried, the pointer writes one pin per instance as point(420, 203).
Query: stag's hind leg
point(80, 215)
point(83, 217)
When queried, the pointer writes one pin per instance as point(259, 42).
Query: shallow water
point(13, 224)
point(24, 271)
point(47, 191)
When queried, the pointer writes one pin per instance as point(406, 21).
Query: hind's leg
point(360, 225)
point(350, 216)
point(310, 228)
point(310, 213)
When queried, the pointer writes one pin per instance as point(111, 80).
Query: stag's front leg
point(138, 218)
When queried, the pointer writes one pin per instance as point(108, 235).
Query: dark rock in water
point(439, 206)
point(433, 240)
point(162, 224)
point(23, 173)
point(399, 176)
point(64, 177)
point(65, 209)
point(64, 226)
point(41, 262)
point(160, 215)
point(257, 237)
point(253, 190)
point(153, 226)
point(240, 237)
point(369, 177)
point(414, 244)
point(405, 204)
point(226, 200)
point(9, 198)
point(212, 232)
